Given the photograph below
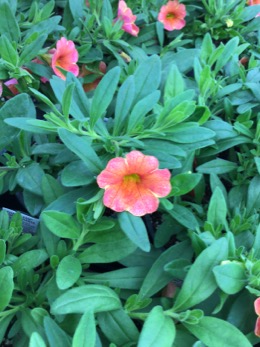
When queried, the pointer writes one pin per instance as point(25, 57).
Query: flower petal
point(158, 182)
point(257, 327)
point(114, 173)
point(257, 306)
point(140, 163)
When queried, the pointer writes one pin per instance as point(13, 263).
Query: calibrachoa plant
point(130, 173)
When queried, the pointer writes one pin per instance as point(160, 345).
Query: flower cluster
point(257, 311)
point(125, 14)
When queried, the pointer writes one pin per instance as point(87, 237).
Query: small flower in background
point(134, 183)
point(257, 311)
point(229, 23)
point(253, 2)
point(172, 15)
point(85, 72)
point(65, 56)
point(125, 14)
point(10, 84)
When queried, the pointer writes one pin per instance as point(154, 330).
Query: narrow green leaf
point(147, 77)
point(227, 53)
point(6, 285)
point(7, 51)
point(135, 230)
point(8, 23)
point(2, 251)
point(103, 94)
point(253, 196)
point(118, 327)
point(124, 102)
point(61, 224)
point(86, 298)
point(85, 333)
point(31, 50)
point(30, 178)
point(215, 332)
point(36, 340)
point(217, 210)
point(158, 330)
point(55, 335)
point(81, 146)
point(200, 283)
point(174, 84)
point(67, 99)
point(217, 166)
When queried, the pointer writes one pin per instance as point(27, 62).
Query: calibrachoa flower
point(125, 14)
point(65, 56)
point(257, 311)
point(172, 15)
point(134, 183)
point(253, 2)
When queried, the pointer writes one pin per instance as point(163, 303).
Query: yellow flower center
point(170, 15)
point(133, 178)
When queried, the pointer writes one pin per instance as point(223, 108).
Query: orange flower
point(253, 2)
point(257, 311)
point(85, 72)
point(172, 15)
point(125, 14)
point(134, 183)
point(65, 56)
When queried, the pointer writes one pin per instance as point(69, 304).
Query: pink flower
point(257, 311)
point(10, 84)
point(125, 14)
point(65, 56)
point(172, 15)
point(253, 2)
point(134, 183)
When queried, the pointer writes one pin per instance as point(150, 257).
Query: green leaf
point(147, 77)
point(217, 166)
point(227, 53)
point(55, 335)
point(157, 277)
point(230, 277)
point(81, 146)
point(36, 340)
point(135, 230)
point(184, 216)
point(8, 23)
point(77, 10)
point(141, 108)
point(217, 210)
point(29, 260)
point(31, 50)
point(61, 224)
point(183, 183)
point(68, 272)
point(200, 283)
point(118, 327)
point(30, 178)
point(215, 332)
point(158, 330)
point(7, 50)
point(174, 84)
point(108, 252)
point(2, 251)
point(67, 99)
point(6, 285)
point(85, 333)
point(126, 278)
point(5, 321)
point(90, 297)
point(124, 102)
point(84, 175)
point(253, 196)
point(103, 94)
point(51, 188)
